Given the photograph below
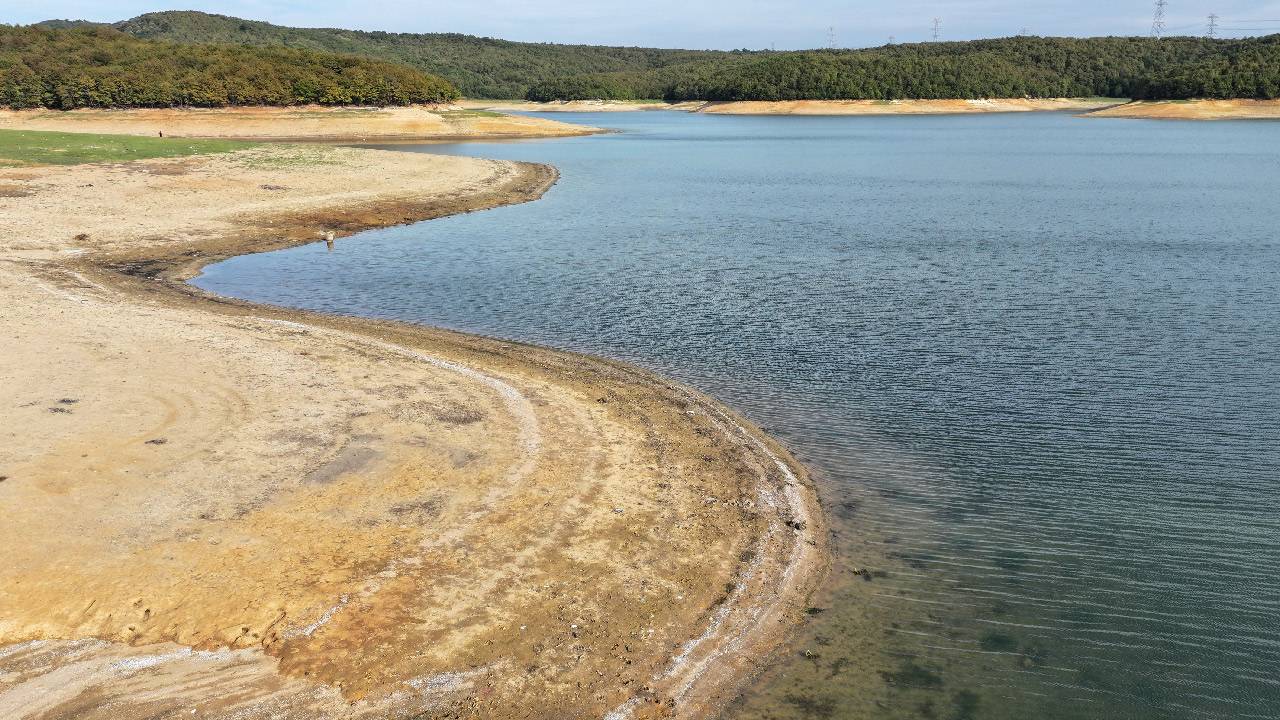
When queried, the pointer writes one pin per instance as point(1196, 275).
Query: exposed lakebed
point(1032, 359)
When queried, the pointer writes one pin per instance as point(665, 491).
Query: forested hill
point(480, 67)
point(1140, 68)
point(100, 67)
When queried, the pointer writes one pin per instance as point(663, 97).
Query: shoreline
point(1084, 107)
point(808, 107)
point(1193, 110)
point(737, 632)
point(298, 124)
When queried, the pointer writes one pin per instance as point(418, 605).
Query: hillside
point(480, 67)
point(86, 67)
point(1140, 68)
point(1035, 67)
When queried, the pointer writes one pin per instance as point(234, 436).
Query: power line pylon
point(1157, 21)
point(1213, 26)
point(831, 37)
point(937, 29)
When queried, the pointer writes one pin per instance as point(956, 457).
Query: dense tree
point(480, 67)
point(1144, 68)
point(100, 67)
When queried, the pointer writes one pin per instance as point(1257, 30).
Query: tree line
point(1125, 67)
point(99, 67)
point(1138, 68)
point(480, 67)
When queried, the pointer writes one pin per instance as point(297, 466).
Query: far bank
point(1093, 107)
point(423, 122)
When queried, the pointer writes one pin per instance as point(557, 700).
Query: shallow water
point(1033, 359)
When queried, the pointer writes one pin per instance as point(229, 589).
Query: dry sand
point(1093, 107)
point(806, 107)
point(223, 510)
point(311, 123)
point(1196, 110)
point(565, 106)
point(900, 107)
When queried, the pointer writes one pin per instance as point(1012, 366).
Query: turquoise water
point(1033, 359)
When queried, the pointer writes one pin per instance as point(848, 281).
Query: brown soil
point(805, 107)
point(312, 123)
point(899, 107)
point(567, 106)
point(244, 511)
point(1195, 110)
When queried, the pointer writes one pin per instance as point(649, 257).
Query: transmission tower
point(1157, 21)
point(1213, 26)
point(937, 28)
point(893, 39)
point(831, 37)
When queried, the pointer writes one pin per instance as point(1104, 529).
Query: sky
point(723, 24)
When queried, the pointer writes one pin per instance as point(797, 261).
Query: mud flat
point(303, 123)
point(1195, 110)
point(251, 512)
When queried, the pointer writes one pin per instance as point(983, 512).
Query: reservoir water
point(1033, 360)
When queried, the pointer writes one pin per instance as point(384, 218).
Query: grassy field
point(29, 147)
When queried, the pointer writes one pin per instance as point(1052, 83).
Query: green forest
point(1138, 68)
point(102, 67)
point(193, 58)
point(480, 67)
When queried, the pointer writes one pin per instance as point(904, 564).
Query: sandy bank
point(566, 106)
point(807, 107)
point(398, 123)
point(1195, 110)
point(262, 513)
point(899, 107)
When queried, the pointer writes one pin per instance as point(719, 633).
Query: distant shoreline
point(1092, 107)
point(1194, 110)
point(309, 123)
point(806, 107)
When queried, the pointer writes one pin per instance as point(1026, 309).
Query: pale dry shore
point(902, 107)
point(241, 511)
point(566, 106)
point(1091, 107)
point(1195, 110)
point(303, 123)
point(807, 107)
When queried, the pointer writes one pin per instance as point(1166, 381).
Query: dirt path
point(245, 511)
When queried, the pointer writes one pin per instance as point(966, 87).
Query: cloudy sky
point(701, 23)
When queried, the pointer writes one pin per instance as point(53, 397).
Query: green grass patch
point(31, 147)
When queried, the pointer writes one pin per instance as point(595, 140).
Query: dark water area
point(1034, 361)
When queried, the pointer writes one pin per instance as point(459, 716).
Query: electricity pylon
point(1157, 21)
